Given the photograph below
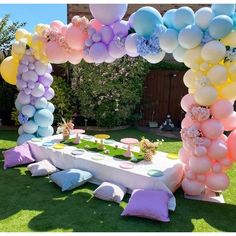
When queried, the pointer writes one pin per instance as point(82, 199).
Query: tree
point(7, 33)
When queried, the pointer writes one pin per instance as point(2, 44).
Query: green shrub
point(109, 93)
point(63, 99)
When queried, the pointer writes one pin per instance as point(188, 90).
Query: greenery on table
point(113, 152)
point(36, 204)
point(110, 93)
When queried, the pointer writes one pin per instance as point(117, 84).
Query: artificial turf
point(36, 204)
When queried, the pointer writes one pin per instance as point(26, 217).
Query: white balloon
point(178, 54)
point(155, 58)
point(40, 68)
point(206, 96)
point(130, 43)
point(169, 40)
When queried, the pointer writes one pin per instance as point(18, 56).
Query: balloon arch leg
point(205, 41)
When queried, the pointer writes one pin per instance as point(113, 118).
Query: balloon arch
point(205, 41)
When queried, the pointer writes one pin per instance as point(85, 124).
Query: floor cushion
point(18, 155)
point(110, 192)
point(71, 178)
point(151, 204)
point(41, 168)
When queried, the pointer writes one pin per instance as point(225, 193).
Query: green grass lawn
point(35, 204)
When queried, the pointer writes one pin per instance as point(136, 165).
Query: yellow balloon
point(192, 58)
point(232, 72)
point(229, 91)
point(21, 33)
point(39, 28)
point(206, 96)
point(19, 47)
point(9, 69)
point(230, 39)
point(189, 79)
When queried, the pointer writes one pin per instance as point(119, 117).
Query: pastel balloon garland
point(205, 41)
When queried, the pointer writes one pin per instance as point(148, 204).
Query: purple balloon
point(96, 37)
point(98, 52)
point(23, 98)
point(88, 42)
point(91, 31)
point(107, 34)
point(21, 84)
point(40, 68)
point(131, 20)
point(121, 28)
point(22, 68)
point(116, 50)
point(31, 66)
point(31, 84)
point(108, 13)
point(109, 59)
point(27, 91)
point(49, 69)
point(24, 60)
point(38, 90)
point(30, 76)
point(30, 59)
point(49, 93)
point(46, 80)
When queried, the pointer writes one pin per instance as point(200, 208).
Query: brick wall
point(83, 9)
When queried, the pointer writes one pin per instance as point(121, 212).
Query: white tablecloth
point(109, 168)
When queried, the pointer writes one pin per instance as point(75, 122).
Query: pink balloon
point(75, 56)
point(229, 123)
point(222, 109)
point(217, 182)
point(226, 163)
point(207, 142)
point(190, 175)
point(55, 53)
point(188, 122)
point(64, 30)
point(75, 37)
point(231, 142)
point(201, 178)
point(217, 150)
point(57, 24)
point(192, 187)
point(217, 168)
point(107, 34)
point(95, 24)
point(187, 101)
point(212, 128)
point(199, 165)
point(200, 151)
point(223, 137)
point(184, 155)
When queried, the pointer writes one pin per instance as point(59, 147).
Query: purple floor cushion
point(151, 204)
point(18, 155)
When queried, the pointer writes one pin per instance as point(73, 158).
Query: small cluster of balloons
point(205, 41)
point(35, 112)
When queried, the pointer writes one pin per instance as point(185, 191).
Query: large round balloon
point(108, 13)
point(168, 18)
point(115, 50)
point(213, 52)
point(24, 138)
point(182, 17)
point(223, 9)
point(8, 70)
point(205, 96)
point(222, 109)
point(41, 103)
point(38, 90)
point(190, 36)
point(30, 76)
point(46, 131)
point(155, 58)
point(178, 54)
point(229, 122)
point(130, 43)
point(187, 101)
point(220, 26)
point(192, 187)
point(106, 34)
point(217, 74)
point(203, 17)
point(231, 143)
point(192, 57)
point(121, 28)
point(212, 128)
point(40, 68)
point(98, 52)
point(43, 118)
point(28, 110)
point(169, 40)
point(46, 79)
point(228, 91)
point(217, 150)
point(217, 182)
point(30, 127)
point(199, 165)
point(146, 20)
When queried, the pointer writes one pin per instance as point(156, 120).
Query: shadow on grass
point(78, 211)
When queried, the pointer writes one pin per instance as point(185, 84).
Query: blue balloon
point(223, 9)
point(220, 26)
point(28, 110)
point(30, 127)
point(24, 138)
point(41, 103)
point(233, 17)
point(203, 17)
point(190, 36)
point(182, 17)
point(146, 20)
point(18, 105)
point(168, 18)
point(45, 131)
point(50, 107)
point(43, 118)
point(169, 40)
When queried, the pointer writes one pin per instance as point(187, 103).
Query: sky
point(34, 14)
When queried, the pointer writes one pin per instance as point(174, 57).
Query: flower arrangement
point(65, 128)
point(199, 113)
point(149, 148)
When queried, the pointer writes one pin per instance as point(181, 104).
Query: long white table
point(109, 168)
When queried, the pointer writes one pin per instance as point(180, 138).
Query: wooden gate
point(162, 95)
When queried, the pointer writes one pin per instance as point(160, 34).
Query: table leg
point(128, 153)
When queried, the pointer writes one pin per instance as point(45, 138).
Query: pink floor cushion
point(42, 168)
point(151, 204)
point(18, 155)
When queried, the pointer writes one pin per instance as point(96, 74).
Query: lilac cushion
point(151, 204)
point(18, 155)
